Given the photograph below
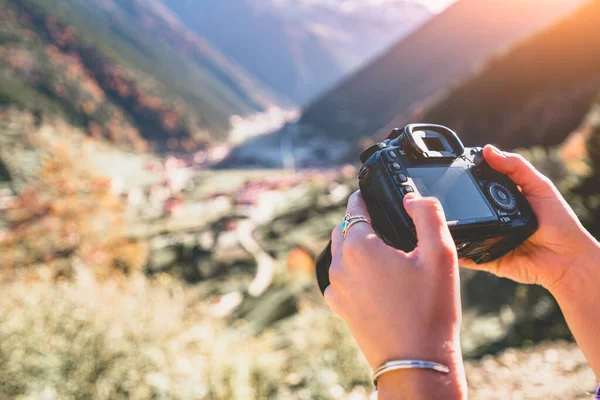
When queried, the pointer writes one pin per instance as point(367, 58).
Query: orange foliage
point(300, 262)
point(68, 213)
point(118, 101)
point(170, 121)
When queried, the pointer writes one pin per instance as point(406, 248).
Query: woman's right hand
point(559, 246)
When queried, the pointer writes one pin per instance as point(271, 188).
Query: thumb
point(520, 171)
point(434, 239)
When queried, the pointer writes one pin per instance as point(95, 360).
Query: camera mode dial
point(501, 197)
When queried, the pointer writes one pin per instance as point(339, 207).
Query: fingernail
point(497, 151)
point(410, 197)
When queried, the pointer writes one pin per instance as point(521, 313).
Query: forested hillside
point(125, 70)
point(446, 48)
point(535, 94)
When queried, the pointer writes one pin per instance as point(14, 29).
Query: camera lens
point(501, 197)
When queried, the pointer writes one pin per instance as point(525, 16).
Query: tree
point(67, 213)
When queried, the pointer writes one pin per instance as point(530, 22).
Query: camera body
point(486, 213)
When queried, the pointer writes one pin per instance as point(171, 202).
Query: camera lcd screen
point(455, 189)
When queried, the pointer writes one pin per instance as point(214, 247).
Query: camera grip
point(323, 262)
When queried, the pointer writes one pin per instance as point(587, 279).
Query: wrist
point(578, 297)
point(580, 272)
point(438, 344)
point(424, 384)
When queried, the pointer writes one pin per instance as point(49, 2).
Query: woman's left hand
point(399, 305)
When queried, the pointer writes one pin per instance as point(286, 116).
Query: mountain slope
point(300, 47)
point(127, 70)
point(537, 93)
point(443, 50)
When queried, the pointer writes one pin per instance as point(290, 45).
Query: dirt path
point(548, 371)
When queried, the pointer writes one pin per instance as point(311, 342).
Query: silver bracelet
point(408, 364)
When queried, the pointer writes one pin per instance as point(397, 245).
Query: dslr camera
point(486, 213)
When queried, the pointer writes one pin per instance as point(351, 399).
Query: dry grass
point(135, 338)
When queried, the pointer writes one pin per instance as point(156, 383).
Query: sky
point(436, 5)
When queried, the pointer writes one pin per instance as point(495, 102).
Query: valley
point(169, 170)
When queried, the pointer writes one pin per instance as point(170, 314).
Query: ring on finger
point(346, 225)
point(348, 218)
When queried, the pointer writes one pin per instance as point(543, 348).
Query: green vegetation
point(184, 67)
point(587, 193)
point(66, 214)
point(130, 74)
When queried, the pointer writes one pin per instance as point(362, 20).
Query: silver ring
point(349, 220)
point(349, 217)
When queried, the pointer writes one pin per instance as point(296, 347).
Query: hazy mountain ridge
point(162, 25)
point(536, 93)
point(300, 48)
point(444, 49)
point(125, 70)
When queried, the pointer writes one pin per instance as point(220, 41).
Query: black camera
point(486, 213)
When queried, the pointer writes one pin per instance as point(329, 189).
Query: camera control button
point(477, 154)
point(501, 197)
point(407, 189)
point(392, 155)
point(396, 166)
point(505, 220)
point(401, 178)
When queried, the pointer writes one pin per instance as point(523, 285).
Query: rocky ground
point(548, 371)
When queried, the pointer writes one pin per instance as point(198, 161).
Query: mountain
point(445, 49)
point(300, 48)
point(536, 93)
point(126, 70)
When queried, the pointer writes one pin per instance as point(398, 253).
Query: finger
point(330, 299)
point(434, 239)
point(356, 207)
point(337, 238)
point(361, 238)
point(519, 170)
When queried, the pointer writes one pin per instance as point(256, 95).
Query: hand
point(561, 255)
point(548, 256)
point(398, 305)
